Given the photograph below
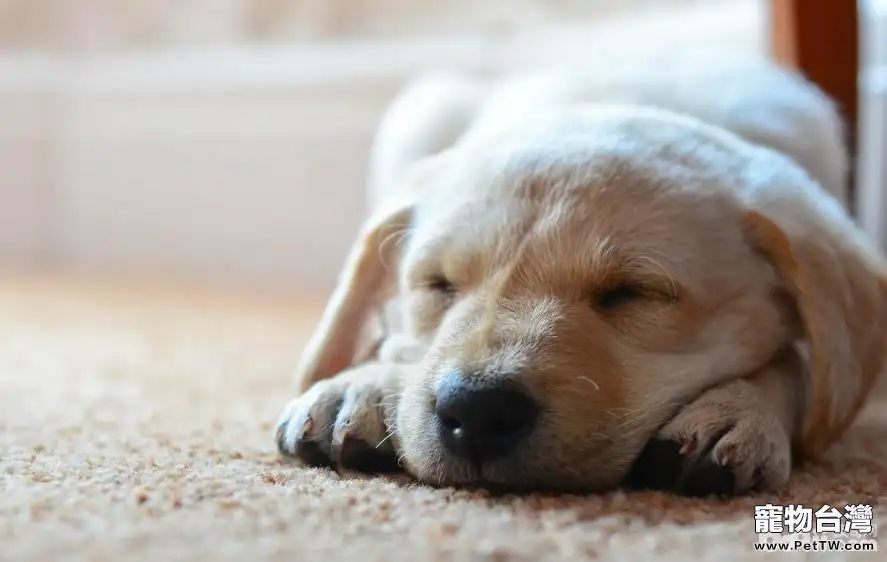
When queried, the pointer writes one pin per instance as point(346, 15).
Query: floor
point(136, 422)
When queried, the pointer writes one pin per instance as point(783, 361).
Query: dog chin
point(501, 479)
point(458, 473)
point(436, 467)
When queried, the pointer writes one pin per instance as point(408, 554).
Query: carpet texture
point(136, 424)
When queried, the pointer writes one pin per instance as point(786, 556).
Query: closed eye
point(618, 295)
point(440, 284)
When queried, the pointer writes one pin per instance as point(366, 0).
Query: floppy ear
point(362, 285)
point(837, 280)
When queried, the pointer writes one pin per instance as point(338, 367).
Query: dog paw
point(341, 422)
point(724, 443)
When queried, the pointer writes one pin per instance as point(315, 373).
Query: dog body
point(598, 278)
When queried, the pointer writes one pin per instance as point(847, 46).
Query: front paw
point(724, 443)
point(341, 422)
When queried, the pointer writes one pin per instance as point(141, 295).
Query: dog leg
point(735, 438)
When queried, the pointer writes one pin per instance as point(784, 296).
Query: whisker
point(386, 438)
point(662, 269)
point(612, 413)
point(590, 381)
point(396, 236)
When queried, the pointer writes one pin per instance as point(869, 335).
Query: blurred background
point(225, 142)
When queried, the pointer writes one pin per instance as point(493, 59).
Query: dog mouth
point(480, 477)
point(536, 459)
point(514, 474)
point(530, 469)
point(504, 479)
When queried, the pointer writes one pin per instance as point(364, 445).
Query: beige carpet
point(135, 424)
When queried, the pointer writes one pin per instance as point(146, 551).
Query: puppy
point(600, 278)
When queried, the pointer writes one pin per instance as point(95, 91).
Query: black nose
point(482, 421)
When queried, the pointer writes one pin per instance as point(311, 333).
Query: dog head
point(579, 275)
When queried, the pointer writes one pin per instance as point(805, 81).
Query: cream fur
point(714, 184)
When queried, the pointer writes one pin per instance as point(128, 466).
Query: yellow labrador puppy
point(599, 278)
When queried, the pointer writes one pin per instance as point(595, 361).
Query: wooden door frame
point(821, 38)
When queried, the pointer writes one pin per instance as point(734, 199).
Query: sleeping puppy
point(598, 279)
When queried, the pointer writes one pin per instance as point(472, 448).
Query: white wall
point(25, 165)
point(246, 164)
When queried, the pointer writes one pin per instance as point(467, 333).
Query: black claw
point(280, 438)
point(662, 467)
point(355, 454)
point(306, 451)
